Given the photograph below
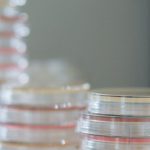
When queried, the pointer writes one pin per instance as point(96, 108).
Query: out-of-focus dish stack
point(41, 115)
point(116, 119)
point(41, 118)
point(13, 28)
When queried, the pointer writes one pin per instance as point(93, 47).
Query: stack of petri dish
point(13, 28)
point(116, 119)
point(35, 118)
point(41, 114)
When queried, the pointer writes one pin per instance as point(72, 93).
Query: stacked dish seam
point(116, 119)
point(41, 118)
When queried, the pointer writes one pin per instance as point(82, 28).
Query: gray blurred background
point(107, 39)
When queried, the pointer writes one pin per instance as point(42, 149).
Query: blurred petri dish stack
point(41, 118)
point(13, 30)
point(116, 119)
point(41, 115)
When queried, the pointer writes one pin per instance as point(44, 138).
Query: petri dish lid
point(55, 146)
point(120, 101)
point(39, 116)
point(12, 3)
point(53, 90)
point(129, 95)
point(11, 51)
point(55, 97)
point(113, 143)
point(9, 65)
point(12, 43)
point(119, 140)
point(18, 17)
point(37, 134)
point(14, 30)
point(117, 126)
point(20, 146)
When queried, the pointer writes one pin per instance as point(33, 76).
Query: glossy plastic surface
point(54, 146)
point(109, 143)
point(128, 102)
point(12, 3)
point(9, 30)
point(37, 134)
point(56, 98)
point(116, 126)
point(39, 116)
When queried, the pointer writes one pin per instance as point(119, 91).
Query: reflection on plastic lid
point(116, 126)
point(55, 146)
point(12, 2)
point(120, 101)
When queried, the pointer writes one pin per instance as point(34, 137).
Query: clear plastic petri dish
point(112, 143)
point(117, 126)
point(17, 18)
point(39, 116)
point(37, 134)
point(120, 101)
point(8, 30)
point(13, 79)
point(12, 63)
point(14, 29)
point(51, 97)
point(12, 44)
point(9, 11)
point(12, 74)
point(12, 3)
point(54, 146)
point(11, 51)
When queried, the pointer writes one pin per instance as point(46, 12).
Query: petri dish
point(51, 97)
point(8, 30)
point(117, 126)
point(11, 51)
point(54, 146)
point(15, 62)
point(37, 134)
point(17, 18)
point(12, 3)
point(114, 143)
point(13, 79)
point(120, 101)
point(12, 44)
point(39, 116)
